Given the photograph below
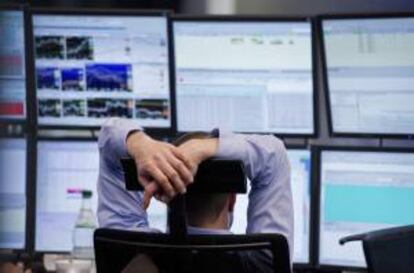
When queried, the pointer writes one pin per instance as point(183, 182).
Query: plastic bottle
point(84, 227)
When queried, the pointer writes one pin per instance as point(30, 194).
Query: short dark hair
point(200, 206)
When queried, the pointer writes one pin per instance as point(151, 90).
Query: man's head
point(207, 210)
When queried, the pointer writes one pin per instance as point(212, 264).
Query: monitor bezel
point(154, 131)
point(317, 183)
point(35, 251)
point(325, 82)
point(15, 252)
point(250, 19)
point(27, 119)
point(310, 264)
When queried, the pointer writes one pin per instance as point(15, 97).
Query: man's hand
point(162, 167)
point(196, 151)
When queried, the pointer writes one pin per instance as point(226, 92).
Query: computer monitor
point(95, 65)
point(361, 190)
point(300, 161)
point(64, 168)
point(246, 75)
point(12, 65)
point(369, 68)
point(13, 193)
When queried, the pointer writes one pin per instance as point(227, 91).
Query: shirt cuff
point(231, 146)
point(127, 127)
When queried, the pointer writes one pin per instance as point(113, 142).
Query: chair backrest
point(116, 250)
point(390, 250)
point(213, 176)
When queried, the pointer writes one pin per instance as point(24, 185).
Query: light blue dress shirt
point(270, 208)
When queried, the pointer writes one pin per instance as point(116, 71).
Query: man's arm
point(117, 208)
point(270, 208)
point(161, 166)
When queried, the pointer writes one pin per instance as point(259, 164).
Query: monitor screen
point(64, 168)
point(12, 66)
point(362, 192)
point(300, 161)
point(91, 67)
point(246, 76)
point(370, 75)
point(12, 193)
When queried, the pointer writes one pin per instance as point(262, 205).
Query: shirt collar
point(206, 231)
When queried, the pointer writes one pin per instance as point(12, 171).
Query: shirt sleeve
point(117, 207)
point(270, 208)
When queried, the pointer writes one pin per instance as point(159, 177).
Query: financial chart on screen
point(89, 68)
point(245, 76)
point(362, 192)
point(12, 193)
point(300, 161)
point(12, 66)
point(64, 169)
point(370, 70)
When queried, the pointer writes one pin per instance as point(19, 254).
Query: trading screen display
point(300, 161)
point(89, 68)
point(244, 76)
point(12, 193)
point(370, 69)
point(64, 169)
point(362, 192)
point(12, 66)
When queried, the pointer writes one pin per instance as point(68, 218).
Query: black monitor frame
point(29, 118)
point(250, 19)
point(39, 253)
point(121, 13)
point(325, 83)
point(310, 264)
point(12, 253)
point(317, 165)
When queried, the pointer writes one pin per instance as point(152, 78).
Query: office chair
point(387, 250)
point(115, 250)
point(179, 252)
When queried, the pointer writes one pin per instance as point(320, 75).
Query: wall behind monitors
point(361, 191)
point(300, 161)
point(12, 65)
point(12, 193)
point(91, 66)
point(246, 75)
point(370, 75)
point(64, 168)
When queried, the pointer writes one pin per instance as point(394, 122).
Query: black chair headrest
point(213, 176)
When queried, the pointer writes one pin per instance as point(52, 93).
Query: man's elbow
point(276, 147)
point(106, 131)
point(279, 155)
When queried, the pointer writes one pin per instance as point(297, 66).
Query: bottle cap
point(86, 194)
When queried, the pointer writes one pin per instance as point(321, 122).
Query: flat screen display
point(12, 193)
point(92, 67)
point(12, 65)
point(245, 76)
point(64, 169)
point(360, 192)
point(370, 75)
